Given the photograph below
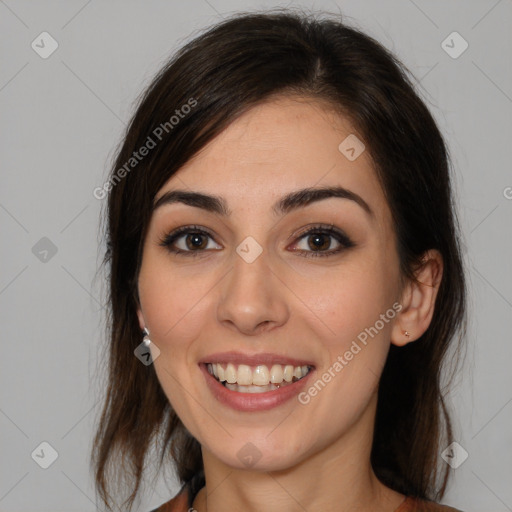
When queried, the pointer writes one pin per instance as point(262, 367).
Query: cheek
point(174, 306)
point(349, 301)
point(356, 309)
point(173, 303)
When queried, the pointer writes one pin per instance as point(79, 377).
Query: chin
point(257, 455)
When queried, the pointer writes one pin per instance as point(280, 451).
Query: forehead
point(277, 147)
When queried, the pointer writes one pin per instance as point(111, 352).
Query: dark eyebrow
point(286, 204)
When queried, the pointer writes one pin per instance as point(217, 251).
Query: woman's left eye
point(317, 241)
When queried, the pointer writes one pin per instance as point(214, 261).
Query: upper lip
point(265, 358)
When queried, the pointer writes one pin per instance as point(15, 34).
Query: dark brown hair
point(228, 69)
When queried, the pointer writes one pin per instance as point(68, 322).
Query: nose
point(253, 298)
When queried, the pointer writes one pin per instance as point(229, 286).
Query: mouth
point(259, 378)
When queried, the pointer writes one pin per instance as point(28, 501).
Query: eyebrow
point(286, 204)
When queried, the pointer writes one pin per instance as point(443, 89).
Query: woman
point(285, 277)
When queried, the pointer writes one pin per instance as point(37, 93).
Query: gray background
point(61, 120)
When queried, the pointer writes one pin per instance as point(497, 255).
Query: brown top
point(180, 503)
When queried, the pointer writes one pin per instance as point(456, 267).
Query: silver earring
point(145, 339)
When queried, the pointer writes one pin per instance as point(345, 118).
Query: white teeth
point(230, 374)
point(252, 389)
point(244, 375)
point(276, 374)
point(288, 373)
point(260, 375)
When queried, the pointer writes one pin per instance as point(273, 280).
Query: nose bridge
point(251, 294)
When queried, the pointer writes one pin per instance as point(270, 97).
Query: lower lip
point(253, 401)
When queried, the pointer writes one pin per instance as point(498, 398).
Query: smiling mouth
point(256, 379)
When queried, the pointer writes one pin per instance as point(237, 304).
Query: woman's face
point(263, 284)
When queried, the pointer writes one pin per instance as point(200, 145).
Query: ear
point(140, 316)
point(418, 300)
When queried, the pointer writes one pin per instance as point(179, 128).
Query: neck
point(338, 477)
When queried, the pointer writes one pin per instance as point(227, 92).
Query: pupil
point(195, 240)
point(317, 244)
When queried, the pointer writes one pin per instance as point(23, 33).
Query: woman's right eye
point(187, 241)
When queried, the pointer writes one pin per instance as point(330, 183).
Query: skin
point(314, 456)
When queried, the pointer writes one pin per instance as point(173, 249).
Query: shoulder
point(178, 504)
point(416, 505)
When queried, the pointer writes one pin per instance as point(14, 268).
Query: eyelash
point(339, 236)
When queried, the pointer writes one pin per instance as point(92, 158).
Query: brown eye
point(188, 241)
point(323, 241)
point(196, 241)
point(319, 241)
